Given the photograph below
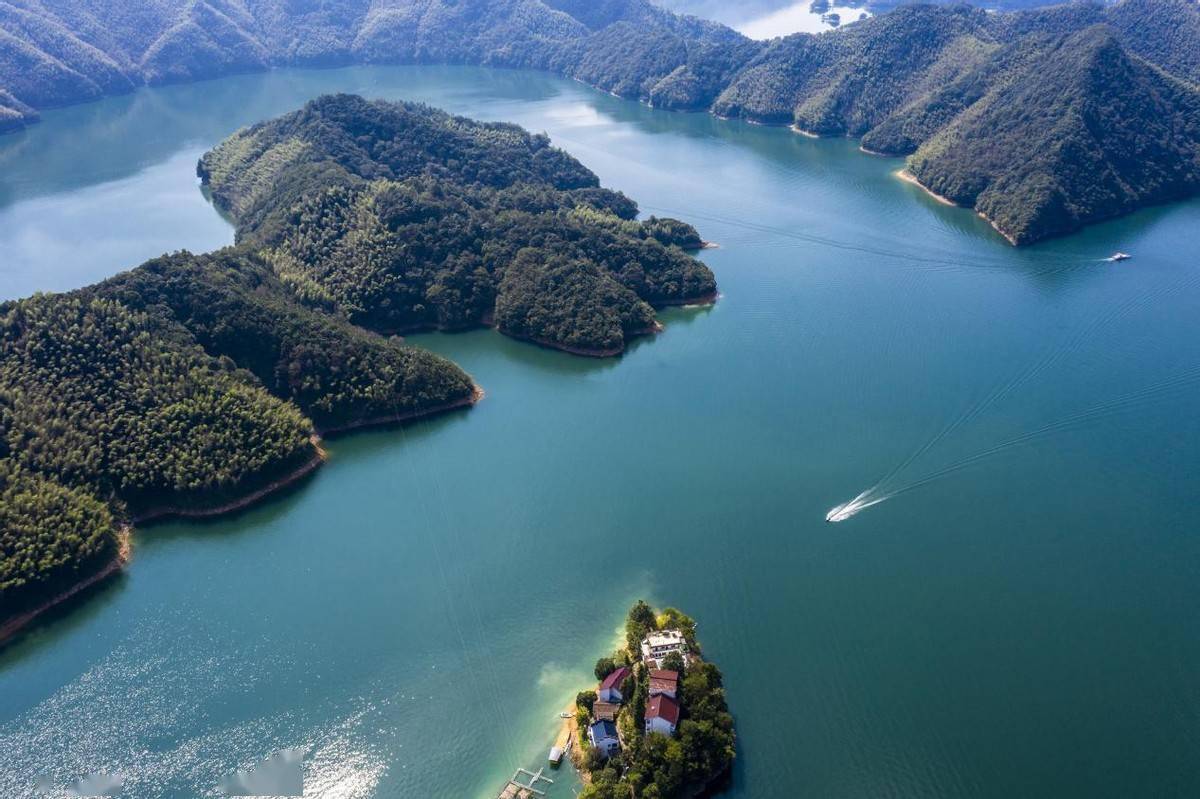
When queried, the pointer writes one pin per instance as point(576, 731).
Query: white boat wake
point(840, 513)
point(1183, 381)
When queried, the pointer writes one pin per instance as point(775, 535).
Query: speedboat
point(1119, 256)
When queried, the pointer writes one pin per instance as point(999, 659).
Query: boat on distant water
point(1118, 256)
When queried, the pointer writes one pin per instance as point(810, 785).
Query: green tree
point(673, 662)
point(604, 667)
point(640, 621)
point(586, 700)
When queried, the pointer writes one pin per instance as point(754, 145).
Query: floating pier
point(516, 789)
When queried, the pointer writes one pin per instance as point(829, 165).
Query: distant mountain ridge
point(931, 81)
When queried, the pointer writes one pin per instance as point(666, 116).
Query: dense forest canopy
point(404, 217)
point(182, 385)
point(920, 76)
point(193, 382)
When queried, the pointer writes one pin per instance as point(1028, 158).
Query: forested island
point(405, 218)
point(1043, 120)
point(195, 384)
point(658, 725)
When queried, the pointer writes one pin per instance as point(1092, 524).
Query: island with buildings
point(657, 725)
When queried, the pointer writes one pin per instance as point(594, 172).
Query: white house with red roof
point(610, 687)
point(662, 715)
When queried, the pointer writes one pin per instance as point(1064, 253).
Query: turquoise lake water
point(1019, 620)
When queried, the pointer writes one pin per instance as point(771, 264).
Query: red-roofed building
point(664, 682)
point(662, 715)
point(610, 687)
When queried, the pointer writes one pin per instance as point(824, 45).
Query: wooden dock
point(562, 742)
point(516, 789)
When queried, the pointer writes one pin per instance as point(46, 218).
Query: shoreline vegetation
point(197, 385)
point(998, 111)
point(10, 628)
point(657, 724)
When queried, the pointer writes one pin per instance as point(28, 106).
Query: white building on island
point(657, 645)
point(603, 736)
point(662, 715)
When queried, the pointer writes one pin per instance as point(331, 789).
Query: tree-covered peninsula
point(402, 217)
point(1029, 116)
point(195, 384)
point(189, 385)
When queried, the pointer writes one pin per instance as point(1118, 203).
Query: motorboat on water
point(1118, 256)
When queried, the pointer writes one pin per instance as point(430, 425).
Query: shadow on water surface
point(274, 506)
point(60, 622)
point(463, 347)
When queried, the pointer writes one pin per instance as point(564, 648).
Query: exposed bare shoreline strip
point(14, 625)
point(475, 396)
point(1010, 238)
point(10, 627)
point(246, 501)
point(704, 299)
point(909, 177)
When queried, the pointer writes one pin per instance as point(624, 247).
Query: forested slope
point(1082, 131)
point(337, 374)
point(182, 386)
point(900, 79)
point(195, 383)
point(403, 217)
point(108, 413)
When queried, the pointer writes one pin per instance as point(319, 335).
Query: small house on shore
point(603, 735)
point(662, 715)
point(610, 687)
point(664, 682)
point(605, 710)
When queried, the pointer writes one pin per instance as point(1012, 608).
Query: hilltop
point(404, 217)
point(1125, 135)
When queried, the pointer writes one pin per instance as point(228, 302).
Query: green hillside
point(194, 383)
point(1077, 131)
point(900, 79)
point(403, 217)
